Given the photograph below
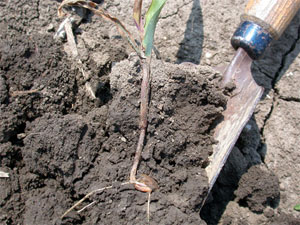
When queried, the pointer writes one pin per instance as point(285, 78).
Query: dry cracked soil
point(64, 133)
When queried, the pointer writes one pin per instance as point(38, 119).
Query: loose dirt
point(58, 143)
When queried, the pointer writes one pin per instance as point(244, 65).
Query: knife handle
point(273, 15)
point(263, 21)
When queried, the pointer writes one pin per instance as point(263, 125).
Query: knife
point(262, 22)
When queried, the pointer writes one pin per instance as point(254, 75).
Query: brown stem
point(145, 92)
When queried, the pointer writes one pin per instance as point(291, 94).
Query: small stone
point(3, 174)
point(123, 139)
point(21, 136)
point(208, 55)
point(268, 212)
point(282, 187)
point(50, 27)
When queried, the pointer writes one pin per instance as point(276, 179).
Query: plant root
point(88, 195)
point(148, 207)
point(19, 93)
point(92, 203)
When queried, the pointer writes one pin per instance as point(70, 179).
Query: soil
point(58, 142)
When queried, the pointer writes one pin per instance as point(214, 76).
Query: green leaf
point(297, 207)
point(150, 25)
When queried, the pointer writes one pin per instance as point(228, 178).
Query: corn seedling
point(146, 35)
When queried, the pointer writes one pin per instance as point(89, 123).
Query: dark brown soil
point(260, 192)
point(57, 144)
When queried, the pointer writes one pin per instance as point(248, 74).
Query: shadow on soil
point(191, 46)
point(267, 72)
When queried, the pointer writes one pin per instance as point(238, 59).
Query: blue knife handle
point(253, 38)
point(263, 21)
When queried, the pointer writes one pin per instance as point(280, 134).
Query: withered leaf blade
point(102, 13)
point(137, 11)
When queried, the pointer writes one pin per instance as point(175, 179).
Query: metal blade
point(238, 111)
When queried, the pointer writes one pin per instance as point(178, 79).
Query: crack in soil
point(176, 12)
point(289, 99)
point(284, 59)
point(38, 9)
point(275, 79)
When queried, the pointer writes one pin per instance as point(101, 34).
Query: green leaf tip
point(150, 24)
point(297, 207)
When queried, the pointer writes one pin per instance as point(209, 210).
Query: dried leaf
point(71, 38)
point(137, 9)
point(102, 13)
point(73, 3)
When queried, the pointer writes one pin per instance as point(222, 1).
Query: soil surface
point(57, 143)
point(64, 133)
